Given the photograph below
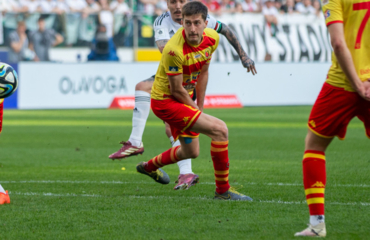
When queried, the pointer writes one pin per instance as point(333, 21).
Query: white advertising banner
point(296, 38)
point(95, 85)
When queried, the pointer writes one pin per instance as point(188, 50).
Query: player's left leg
point(187, 178)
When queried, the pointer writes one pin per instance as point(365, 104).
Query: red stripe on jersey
point(193, 67)
point(173, 74)
point(207, 42)
point(330, 23)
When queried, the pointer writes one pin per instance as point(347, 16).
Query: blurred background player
point(184, 67)
point(4, 196)
point(165, 27)
point(345, 95)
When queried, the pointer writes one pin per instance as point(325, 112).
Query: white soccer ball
point(8, 80)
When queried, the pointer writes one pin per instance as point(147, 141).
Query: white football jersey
point(165, 27)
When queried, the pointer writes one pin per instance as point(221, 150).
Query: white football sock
point(184, 165)
point(140, 115)
point(2, 189)
point(316, 219)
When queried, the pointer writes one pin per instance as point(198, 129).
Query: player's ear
point(206, 23)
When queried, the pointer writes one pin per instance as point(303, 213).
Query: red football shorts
point(179, 116)
point(1, 114)
point(334, 109)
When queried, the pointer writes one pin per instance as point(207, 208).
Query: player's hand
point(364, 90)
point(248, 63)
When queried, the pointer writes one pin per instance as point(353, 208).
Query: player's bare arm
point(202, 86)
point(179, 92)
point(345, 59)
point(247, 62)
point(161, 44)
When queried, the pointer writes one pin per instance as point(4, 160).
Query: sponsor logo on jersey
point(364, 71)
point(323, 2)
point(172, 53)
point(312, 123)
point(197, 56)
point(318, 184)
point(160, 32)
point(173, 69)
point(327, 13)
point(172, 32)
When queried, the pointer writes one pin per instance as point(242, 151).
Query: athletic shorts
point(334, 109)
point(179, 116)
point(1, 114)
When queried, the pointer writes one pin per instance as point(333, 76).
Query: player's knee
point(193, 153)
point(140, 86)
point(222, 130)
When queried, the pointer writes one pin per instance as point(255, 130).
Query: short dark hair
point(193, 8)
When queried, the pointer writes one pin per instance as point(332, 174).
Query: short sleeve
point(333, 11)
point(172, 60)
point(214, 24)
point(161, 30)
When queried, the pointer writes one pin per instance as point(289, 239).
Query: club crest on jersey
point(172, 53)
point(207, 53)
point(327, 13)
point(173, 69)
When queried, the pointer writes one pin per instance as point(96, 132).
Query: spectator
point(306, 7)
point(91, 7)
point(288, 7)
point(160, 7)
point(227, 6)
point(76, 5)
point(278, 4)
point(61, 7)
point(47, 6)
point(270, 12)
point(121, 7)
point(31, 5)
point(213, 6)
point(43, 39)
point(317, 6)
point(106, 17)
point(19, 44)
point(249, 6)
point(238, 8)
point(147, 6)
point(102, 48)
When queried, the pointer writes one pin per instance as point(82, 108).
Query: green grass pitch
point(63, 186)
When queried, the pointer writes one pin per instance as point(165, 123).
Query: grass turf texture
point(63, 186)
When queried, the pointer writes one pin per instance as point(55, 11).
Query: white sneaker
point(318, 230)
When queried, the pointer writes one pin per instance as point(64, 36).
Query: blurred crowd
point(156, 7)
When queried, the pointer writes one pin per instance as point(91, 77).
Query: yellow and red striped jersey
point(354, 14)
point(180, 57)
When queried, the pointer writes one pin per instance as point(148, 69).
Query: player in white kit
point(165, 26)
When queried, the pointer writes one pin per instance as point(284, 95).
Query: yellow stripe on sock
point(314, 190)
point(222, 172)
point(314, 155)
point(222, 179)
point(220, 142)
point(213, 149)
point(315, 200)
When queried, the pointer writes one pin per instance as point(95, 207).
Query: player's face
point(175, 7)
point(194, 27)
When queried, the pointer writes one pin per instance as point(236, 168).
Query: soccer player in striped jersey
point(183, 68)
point(165, 27)
point(4, 197)
point(344, 95)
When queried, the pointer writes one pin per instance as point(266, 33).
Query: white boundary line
point(151, 182)
point(181, 197)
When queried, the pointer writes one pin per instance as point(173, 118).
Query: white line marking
point(151, 182)
point(168, 197)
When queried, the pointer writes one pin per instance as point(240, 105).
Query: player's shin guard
point(314, 180)
point(163, 159)
point(220, 158)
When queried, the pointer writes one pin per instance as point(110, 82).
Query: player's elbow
point(337, 44)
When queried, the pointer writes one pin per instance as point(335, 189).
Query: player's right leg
point(134, 145)
point(4, 196)
point(217, 130)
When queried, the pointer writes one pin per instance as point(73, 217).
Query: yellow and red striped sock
point(163, 159)
point(314, 180)
point(220, 158)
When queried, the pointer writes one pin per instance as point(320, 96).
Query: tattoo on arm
point(231, 37)
point(161, 44)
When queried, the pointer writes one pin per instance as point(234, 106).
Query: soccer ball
point(8, 80)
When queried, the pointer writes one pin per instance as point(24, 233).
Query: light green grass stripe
point(153, 124)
